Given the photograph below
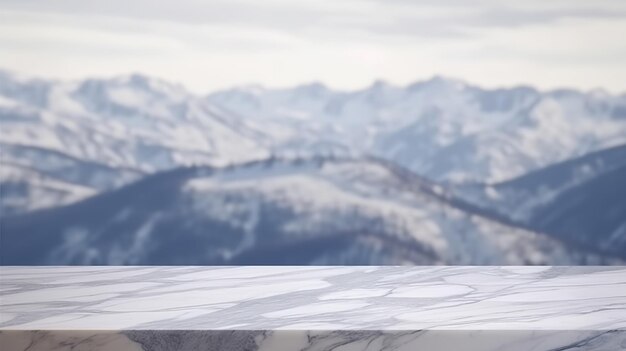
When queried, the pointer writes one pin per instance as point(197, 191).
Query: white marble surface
point(313, 308)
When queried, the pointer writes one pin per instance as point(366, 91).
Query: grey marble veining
point(313, 308)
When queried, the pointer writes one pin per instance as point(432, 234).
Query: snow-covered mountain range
point(308, 211)
point(442, 128)
point(581, 200)
point(62, 141)
point(496, 167)
point(119, 129)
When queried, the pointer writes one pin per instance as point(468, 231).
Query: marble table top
point(313, 298)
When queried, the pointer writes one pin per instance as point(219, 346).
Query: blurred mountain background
point(136, 170)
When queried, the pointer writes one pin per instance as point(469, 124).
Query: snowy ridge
point(68, 148)
point(302, 211)
point(445, 129)
point(40, 191)
point(128, 125)
point(520, 198)
point(134, 122)
point(581, 201)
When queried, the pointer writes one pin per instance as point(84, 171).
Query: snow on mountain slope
point(23, 189)
point(520, 197)
point(592, 213)
point(580, 200)
point(128, 125)
point(559, 126)
point(442, 128)
point(33, 178)
point(301, 211)
point(132, 121)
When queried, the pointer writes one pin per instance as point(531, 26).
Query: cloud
point(214, 44)
point(391, 16)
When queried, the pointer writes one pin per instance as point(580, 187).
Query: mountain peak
point(380, 84)
point(311, 90)
point(148, 83)
point(315, 86)
point(438, 82)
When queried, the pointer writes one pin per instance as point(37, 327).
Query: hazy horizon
point(330, 87)
point(211, 46)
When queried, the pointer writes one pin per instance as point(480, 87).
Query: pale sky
point(215, 44)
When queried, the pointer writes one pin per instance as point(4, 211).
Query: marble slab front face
point(312, 308)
